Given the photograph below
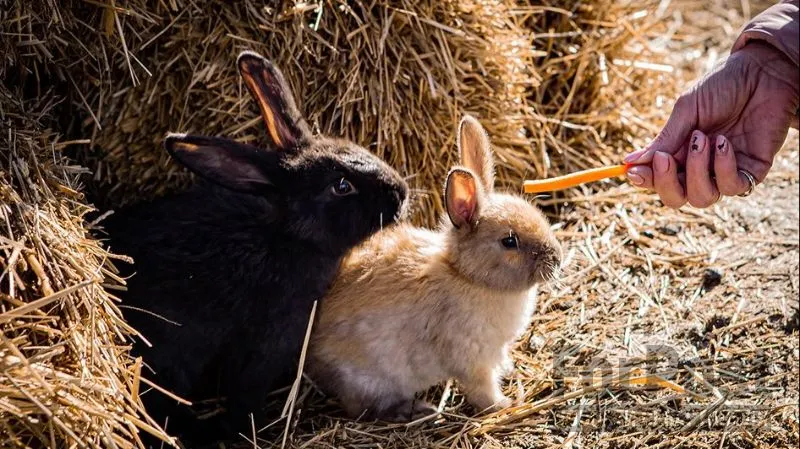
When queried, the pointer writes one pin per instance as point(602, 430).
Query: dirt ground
point(666, 329)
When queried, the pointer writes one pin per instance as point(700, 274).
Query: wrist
point(768, 57)
point(777, 26)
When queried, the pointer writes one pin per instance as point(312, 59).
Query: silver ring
point(751, 180)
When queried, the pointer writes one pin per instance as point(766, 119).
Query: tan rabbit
point(412, 307)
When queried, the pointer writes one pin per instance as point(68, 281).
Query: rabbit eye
point(511, 241)
point(343, 188)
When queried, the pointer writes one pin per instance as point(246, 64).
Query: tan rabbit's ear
point(462, 195)
point(285, 125)
point(475, 152)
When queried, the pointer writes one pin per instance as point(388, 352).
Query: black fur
point(227, 273)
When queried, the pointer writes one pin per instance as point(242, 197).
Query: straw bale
point(393, 76)
point(590, 106)
point(64, 44)
point(65, 375)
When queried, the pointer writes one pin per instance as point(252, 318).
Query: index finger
point(671, 138)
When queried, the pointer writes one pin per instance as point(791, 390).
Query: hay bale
point(68, 44)
point(66, 379)
point(593, 104)
point(561, 84)
point(394, 77)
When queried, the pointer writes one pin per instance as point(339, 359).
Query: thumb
point(680, 124)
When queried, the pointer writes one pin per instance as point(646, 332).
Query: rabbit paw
point(408, 410)
point(501, 404)
point(495, 404)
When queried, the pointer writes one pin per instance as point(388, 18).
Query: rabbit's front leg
point(482, 389)
point(270, 360)
point(408, 410)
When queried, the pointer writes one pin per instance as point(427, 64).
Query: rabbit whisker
point(553, 274)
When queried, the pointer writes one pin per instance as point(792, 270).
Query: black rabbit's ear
point(285, 126)
point(233, 165)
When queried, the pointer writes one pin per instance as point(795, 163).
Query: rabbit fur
point(226, 273)
point(412, 307)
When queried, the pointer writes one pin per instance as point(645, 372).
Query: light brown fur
point(412, 307)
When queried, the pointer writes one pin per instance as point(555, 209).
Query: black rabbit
point(226, 274)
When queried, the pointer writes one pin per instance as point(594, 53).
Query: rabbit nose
point(555, 257)
point(547, 260)
point(397, 198)
point(399, 210)
point(401, 193)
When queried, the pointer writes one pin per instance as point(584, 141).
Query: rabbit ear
point(462, 196)
point(474, 150)
point(285, 126)
point(233, 165)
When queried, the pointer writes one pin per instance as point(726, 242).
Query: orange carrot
point(574, 179)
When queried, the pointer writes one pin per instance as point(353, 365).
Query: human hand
point(735, 119)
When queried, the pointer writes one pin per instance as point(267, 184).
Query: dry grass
point(394, 76)
point(397, 76)
point(64, 370)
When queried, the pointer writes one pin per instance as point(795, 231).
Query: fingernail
point(635, 178)
point(722, 145)
point(661, 162)
point(698, 143)
point(633, 157)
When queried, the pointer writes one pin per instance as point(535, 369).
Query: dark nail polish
point(722, 146)
point(698, 144)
